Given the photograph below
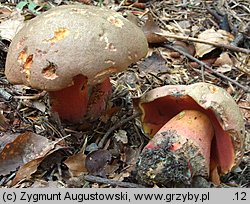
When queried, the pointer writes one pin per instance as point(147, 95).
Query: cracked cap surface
point(72, 40)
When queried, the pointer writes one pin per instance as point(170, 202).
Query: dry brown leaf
point(97, 160)
point(185, 47)
point(26, 171)
point(3, 122)
point(19, 149)
point(10, 27)
point(153, 64)
point(224, 68)
point(76, 164)
point(219, 36)
point(26, 150)
point(109, 113)
point(150, 29)
point(111, 169)
point(4, 12)
point(131, 155)
point(223, 59)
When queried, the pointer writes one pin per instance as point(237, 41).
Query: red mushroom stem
point(178, 151)
point(76, 102)
point(71, 103)
point(98, 99)
point(193, 129)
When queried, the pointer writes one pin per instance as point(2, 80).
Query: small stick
point(229, 47)
point(34, 97)
point(117, 125)
point(6, 95)
point(207, 67)
point(240, 36)
point(112, 182)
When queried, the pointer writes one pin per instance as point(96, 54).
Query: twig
point(221, 18)
point(112, 182)
point(240, 36)
point(202, 73)
point(117, 125)
point(229, 47)
point(208, 67)
point(34, 97)
point(6, 95)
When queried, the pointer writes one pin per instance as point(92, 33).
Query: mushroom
point(196, 130)
point(70, 51)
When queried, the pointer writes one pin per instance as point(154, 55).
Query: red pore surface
point(71, 102)
point(98, 98)
point(158, 112)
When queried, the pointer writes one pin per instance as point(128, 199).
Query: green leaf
point(21, 4)
point(32, 7)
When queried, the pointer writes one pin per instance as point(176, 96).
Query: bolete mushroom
point(196, 130)
point(70, 50)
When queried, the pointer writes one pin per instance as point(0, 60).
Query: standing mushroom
point(71, 51)
point(197, 130)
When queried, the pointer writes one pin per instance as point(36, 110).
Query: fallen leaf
point(39, 106)
point(185, 24)
point(224, 68)
point(26, 150)
point(153, 64)
point(223, 59)
point(97, 160)
point(4, 12)
point(219, 36)
point(10, 27)
point(150, 29)
point(19, 149)
point(26, 171)
point(131, 155)
point(112, 167)
point(76, 164)
point(3, 122)
point(184, 46)
point(109, 113)
point(121, 136)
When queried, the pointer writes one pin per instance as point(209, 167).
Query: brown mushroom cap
point(161, 104)
point(72, 40)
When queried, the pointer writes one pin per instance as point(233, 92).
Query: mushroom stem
point(187, 139)
point(80, 100)
point(98, 99)
point(71, 103)
point(192, 127)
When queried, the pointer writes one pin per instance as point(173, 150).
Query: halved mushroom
point(70, 50)
point(197, 129)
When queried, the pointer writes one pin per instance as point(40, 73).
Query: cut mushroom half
point(196, 130)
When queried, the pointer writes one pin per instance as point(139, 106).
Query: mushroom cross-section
point(196, 130)
point(71, 49)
